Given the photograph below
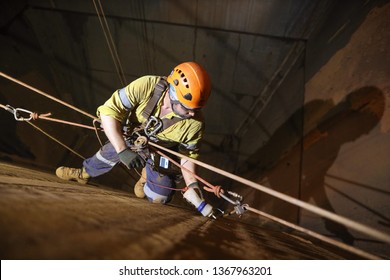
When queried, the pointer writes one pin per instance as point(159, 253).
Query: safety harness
point(152, 126)
point(155, 125)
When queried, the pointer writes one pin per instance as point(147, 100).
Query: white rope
point(110, 42)
point(46, 95)
point(315, 234)
point(56, 140)
point(319, 211)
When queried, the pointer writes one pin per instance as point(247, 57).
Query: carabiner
point(152, 127)
point(9, 108)
point(19, 117)
point(238, 208)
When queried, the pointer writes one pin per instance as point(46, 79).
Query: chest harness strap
point(155, 125)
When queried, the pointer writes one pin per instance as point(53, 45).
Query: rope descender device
point(140, 146)
point(140, 143)
point(239, 208)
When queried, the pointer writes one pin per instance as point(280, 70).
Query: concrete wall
point(353, 134)
point(333, 150)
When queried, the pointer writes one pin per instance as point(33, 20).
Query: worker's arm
point(113, 131)
point(190, 178)
point(187, 176)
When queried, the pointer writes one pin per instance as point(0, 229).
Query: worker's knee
point(155, 197)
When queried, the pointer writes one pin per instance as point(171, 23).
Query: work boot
point(192, 197)
point(139, 186)
point(73, 174)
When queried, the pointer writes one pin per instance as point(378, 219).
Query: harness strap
point(169, 122)
point(157, 93)
point(159, 89)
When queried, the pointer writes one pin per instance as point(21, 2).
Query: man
point(184, 92)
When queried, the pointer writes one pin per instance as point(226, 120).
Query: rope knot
point(217, 190)
point(36, 116)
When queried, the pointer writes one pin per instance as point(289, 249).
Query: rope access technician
point(168, 110)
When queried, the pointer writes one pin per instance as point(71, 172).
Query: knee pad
point(155, 197)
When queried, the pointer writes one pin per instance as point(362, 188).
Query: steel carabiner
point(153, 126)
point(17, 113)
point(238, 208)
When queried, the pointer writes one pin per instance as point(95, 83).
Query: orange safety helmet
point(191, 83)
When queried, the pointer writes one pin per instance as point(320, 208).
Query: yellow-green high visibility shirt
point(133, 99)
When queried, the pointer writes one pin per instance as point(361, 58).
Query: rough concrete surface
point(42, 217)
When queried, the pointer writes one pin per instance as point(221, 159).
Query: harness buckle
point(152, 127)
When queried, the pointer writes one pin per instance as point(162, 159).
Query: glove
point(131, 159)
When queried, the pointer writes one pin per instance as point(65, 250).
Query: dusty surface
point(42, 217)
point(353, 178)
